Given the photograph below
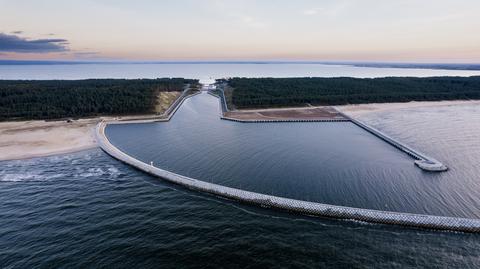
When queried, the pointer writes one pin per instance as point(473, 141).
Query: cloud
point(14, 43)
point(17, 32)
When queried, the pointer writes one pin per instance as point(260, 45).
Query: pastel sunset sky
point(166, 30)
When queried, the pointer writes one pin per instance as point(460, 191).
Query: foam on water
point(110, 171)
point(19, 177)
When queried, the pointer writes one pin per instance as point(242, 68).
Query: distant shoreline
point(438, 66)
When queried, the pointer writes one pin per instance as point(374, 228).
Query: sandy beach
point(38, 138)
point(28, 139)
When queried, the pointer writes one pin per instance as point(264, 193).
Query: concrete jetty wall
point(178, 102)
point(422, 160)
point(298, 206)
point(223, 102)
point(224, 108)
point(284, 120)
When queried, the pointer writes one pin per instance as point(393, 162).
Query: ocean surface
point(207, 73)
point(87, 210)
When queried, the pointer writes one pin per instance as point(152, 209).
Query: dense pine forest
point(277, 92)
point(52, 99)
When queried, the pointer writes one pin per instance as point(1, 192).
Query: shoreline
point(32, 139)
point(50, 154)
point(319, 113)
point(20, 140)
point(285, 114)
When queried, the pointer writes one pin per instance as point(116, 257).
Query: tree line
point(52, 99)
point(277, 92)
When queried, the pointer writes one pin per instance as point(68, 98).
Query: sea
point(88, 210)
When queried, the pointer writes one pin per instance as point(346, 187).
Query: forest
point(278, 92)
point(54, 99)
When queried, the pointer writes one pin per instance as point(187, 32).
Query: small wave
point(27, 176)
point(110, 171)
point(91, 172)
point(56, 176)
point(113, 170)
point(20, 177)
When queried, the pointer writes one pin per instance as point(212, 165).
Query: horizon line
point(371, 64)
point(13, 61)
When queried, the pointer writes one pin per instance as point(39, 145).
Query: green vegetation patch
point(52, 99)
point(278, 92)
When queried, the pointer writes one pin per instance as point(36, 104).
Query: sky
point(242, 30)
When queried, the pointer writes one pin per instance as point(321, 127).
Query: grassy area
point(229, 97)
point(165, 100)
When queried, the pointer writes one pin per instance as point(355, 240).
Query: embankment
point(293, 205)
point(298, 206)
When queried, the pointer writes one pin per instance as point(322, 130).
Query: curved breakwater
point(294, 205)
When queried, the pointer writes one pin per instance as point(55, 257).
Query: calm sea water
point(88, 210)
point(208, 72)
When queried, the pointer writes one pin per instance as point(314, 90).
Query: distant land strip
point(440, 66)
